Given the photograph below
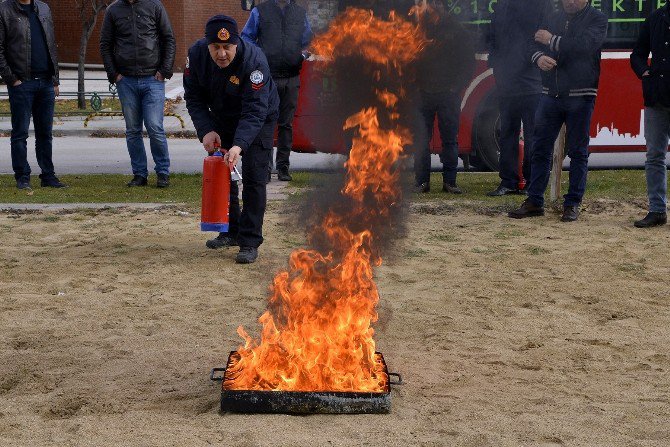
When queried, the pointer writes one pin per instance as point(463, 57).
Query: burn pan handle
point(215, 378)
point(398, 382)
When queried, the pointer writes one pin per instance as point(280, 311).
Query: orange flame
point(317, 332)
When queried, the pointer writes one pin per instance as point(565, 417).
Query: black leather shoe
point(137, 180)
point(453, 189)
point(423, 187)
point(570, 213)
point(527, 209)
point(503, 191)
point(652, 220)
point(163, 181)
point(52, 183)
point(23, 183)
point(246, 255)
point(283, 175)
point(221, 241)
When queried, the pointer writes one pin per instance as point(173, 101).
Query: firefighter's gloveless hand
point(546, 63)
point(211, 142)
point(233, 155)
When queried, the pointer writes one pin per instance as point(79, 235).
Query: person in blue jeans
point(29, 67)
point(568, 49)
point(653, 38)
point(139, 56)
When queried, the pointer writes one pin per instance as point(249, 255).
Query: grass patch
point(186, 188)
point(69, 106)
point(536, 251)
point(612, 184)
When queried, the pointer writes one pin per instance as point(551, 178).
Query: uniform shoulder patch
point(256, 77)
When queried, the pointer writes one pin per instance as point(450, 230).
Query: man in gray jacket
point(29, 67)
point(138, 49)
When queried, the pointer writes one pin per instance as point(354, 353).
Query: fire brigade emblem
point(223, 35)
point(256, 77)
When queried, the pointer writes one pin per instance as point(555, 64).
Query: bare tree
point(88, 13)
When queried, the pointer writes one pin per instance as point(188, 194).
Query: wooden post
point(557, 166)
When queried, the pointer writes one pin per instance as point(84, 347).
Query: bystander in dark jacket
point(138, 49)
point(567, 50)
point(29, 67)
point(654, 39)
point(280, 28)
point(518, 83)
point(443, 69)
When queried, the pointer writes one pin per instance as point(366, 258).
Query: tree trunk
point(86, 31)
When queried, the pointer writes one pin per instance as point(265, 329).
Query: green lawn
point(69, 106)
point(185, 188)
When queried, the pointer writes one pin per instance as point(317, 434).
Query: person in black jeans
point(568, 50)
point(442, 71)
point(233, 102)
point(280, 28)
point(518, 83)
point(29, 67)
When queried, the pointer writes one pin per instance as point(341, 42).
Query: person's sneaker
point(283, 175)
point(52, 183)
point(527, 209)
point(246, 255)
point(570, 213)
point(163, 181)
point(451, 188)
point(503, 191)
point(221, 241)
point(422, 187)
point(652, 220)
point(137, 180)
point(23, 183)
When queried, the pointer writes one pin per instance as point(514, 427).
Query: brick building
point(188, 19)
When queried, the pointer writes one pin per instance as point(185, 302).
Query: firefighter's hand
point(211, 142)
point(543, 36)
point(546, 63)
point(233, 155)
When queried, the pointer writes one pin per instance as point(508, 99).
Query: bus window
point(625, 17)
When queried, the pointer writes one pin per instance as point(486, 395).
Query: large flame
point(317, 332)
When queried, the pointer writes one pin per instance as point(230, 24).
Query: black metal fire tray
point(304, 402)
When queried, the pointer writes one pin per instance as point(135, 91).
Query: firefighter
point(233, 103)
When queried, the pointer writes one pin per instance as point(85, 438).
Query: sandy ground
point(507, 333)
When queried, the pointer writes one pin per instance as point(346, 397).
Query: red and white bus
point(618, 120)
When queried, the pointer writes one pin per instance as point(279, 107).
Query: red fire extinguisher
point(215, 193)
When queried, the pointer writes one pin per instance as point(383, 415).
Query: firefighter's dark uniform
point(240, 103)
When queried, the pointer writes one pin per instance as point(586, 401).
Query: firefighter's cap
point(222, 29)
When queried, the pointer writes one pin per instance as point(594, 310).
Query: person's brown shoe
point(527, 209)
point(570, 213)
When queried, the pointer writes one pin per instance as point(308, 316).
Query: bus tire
point(486, 137)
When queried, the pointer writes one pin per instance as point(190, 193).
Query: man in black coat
point(138, 49)
point(654, 37)
point(443, 69)
point(233, 102)
point(280, 28)
point(29, 67)
point(567, 50)
point(518, 83)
